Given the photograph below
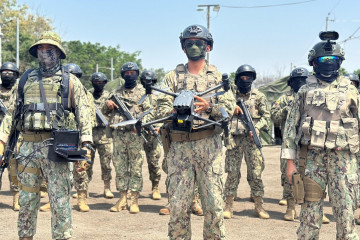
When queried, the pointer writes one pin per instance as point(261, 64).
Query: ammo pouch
point(318, 134)
point(352, 133)
point(298, 188)
point(64, 147)
point(108, 132)
point(165, 138)
point(306, 130)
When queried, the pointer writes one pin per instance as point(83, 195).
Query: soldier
point(48, 95)
point(195, 156)
point(129, 151)
point(9, 74)
point(279, 112)
point(322, 129)
point(152, 147)
point(241, 143)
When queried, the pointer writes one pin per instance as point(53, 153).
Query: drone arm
point(163, 91)
point(157, 121)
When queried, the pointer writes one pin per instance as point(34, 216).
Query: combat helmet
point(74, 69)
point(129, 66)
point(353, 77)
point(196, 31)
point(10, 66)
point(98, 77)
point(297, 73)
point(245, 69)
point(48, 38)
point(326, 47)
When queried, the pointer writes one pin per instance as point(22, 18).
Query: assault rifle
point(101, 117)
point(3, 108)
point(247, 120)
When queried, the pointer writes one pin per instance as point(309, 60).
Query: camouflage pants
point(153, 152)
point(104, 147)
point(58, 178)
point(287, 190)
point(128, 159)
point(244, 146)
point(12, 172)
point(338, 171)
point(199, 161)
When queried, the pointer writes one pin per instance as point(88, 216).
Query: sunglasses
point(190, 43)
point(328, 59)
point(7, 73)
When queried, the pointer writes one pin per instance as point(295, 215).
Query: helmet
point(325, 48)
point(129, 66)
point(9, 66)
point(245, 69)
point(148, 73)
point(354, 78)
point(74, 69)
point(196, 31)
point(48, 38)
point(98, 77)
point(298, 72)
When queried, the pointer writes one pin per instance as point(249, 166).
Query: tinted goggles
point(198, 42)
point(328, 59)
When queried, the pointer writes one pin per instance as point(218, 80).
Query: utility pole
point(1, 34)
point(327, 21)
point(111, 68)
point(17, 44)
point(216, 8)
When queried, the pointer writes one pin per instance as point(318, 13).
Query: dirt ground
point(100, 223)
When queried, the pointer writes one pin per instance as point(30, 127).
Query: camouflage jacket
point(7, 96)
point(257, 105)
point(77, 101)
point(131, 98)
point(323, 111)
point(280, 109)
point(99, 103)
point(207, 78)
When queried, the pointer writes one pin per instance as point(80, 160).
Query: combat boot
point(43, 194)
point(283, 202)
point(290, 214)
point(16, 205)
point(121, 204)
point(358, 221)
point(82, 204)
point(155, 191)
point(107, 191)
point(46, 207)
point(165, 210)
point(228, 210)
point(134, 206)
point(75, 195)
point(259, 210)
point(26, 238)
point(325, 220)
point(196, 207)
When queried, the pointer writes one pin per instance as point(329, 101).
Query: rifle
point(3, 108)
point(101, 117)
point(247, 120)
point(125, 111)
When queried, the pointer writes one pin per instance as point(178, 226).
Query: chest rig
point(328, 120)
point(198, 83)
point(5, 98)
point(237, 127)
point(44, 101)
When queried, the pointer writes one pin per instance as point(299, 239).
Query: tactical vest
point(327, 120)
point(237, 127)
point(188, 81)
point(56, 89)
point(5, 98)
point(131, 99)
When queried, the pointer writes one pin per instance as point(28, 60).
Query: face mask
point(48, 58)
point(130, 81)
point(8, 80)
point(297, 82)
point(99, 87)
point(244, 86)
point(195, 49)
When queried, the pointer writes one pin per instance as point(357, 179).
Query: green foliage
point(342, 71)
point(357, 72)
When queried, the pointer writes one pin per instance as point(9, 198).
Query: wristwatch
point(209, 110)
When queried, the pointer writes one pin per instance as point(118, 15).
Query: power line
point(272, 5)
point(351, 36)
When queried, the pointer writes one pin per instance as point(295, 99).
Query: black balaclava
point(327, 71)
point(8, 80)
point(244, 86)
point(130, 81)
point(297, 82)
point(98, 89)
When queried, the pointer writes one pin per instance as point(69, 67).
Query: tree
point(30, 27)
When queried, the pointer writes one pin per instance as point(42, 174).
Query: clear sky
point(270, 39)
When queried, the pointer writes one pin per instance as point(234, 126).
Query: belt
point(194, 136)
point(36, 136)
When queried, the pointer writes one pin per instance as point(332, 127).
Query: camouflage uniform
point(201, 158)
point(129, 151)
point(241, 144)
point(324, 118)
point(279, 112)
point(6, 97)
point(57, 174)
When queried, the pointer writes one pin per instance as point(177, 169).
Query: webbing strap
point(22, 168)
point(29, 189)
point(43, 97)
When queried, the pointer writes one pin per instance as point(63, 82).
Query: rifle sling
point(43, 97)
